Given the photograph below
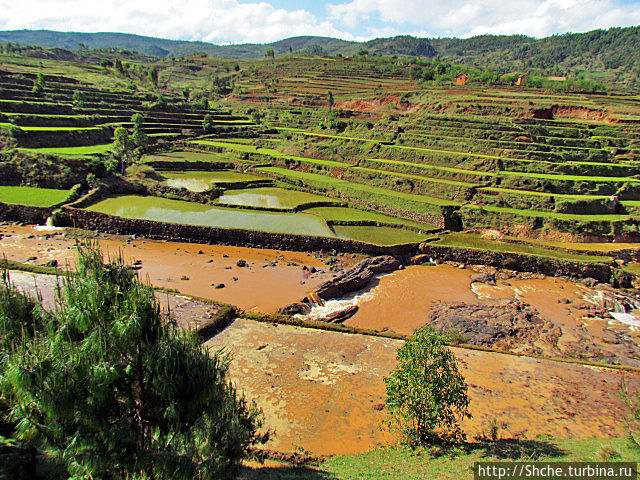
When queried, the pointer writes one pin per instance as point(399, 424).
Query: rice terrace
point(289, 219)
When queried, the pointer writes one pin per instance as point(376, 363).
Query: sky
point(254, 21)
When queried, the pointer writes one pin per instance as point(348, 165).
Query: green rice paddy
point(87, 150)
point(32, 196)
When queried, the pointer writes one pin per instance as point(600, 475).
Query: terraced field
point(515, 159)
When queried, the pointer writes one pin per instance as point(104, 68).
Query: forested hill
point(615, 51)
point(598, 50)
point(401, 45)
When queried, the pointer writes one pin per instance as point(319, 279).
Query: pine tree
point(114, 390)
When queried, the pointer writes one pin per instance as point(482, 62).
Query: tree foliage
point(426, 394)
point(113, 390)
point(38, 85)
point(123, 148)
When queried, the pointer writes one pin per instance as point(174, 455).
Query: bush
point(426, 394)
point(633, 419)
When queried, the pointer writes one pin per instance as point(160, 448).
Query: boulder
point(341, 315)
point(487, 278)
point(357, 277)
point(294, 309)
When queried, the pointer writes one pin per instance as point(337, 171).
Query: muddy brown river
point(270, 279)
point(324, 391)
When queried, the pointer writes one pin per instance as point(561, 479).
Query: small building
point(520, 81)
point(461, 79)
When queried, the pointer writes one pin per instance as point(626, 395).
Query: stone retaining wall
point(23, 213)
point(78, 218)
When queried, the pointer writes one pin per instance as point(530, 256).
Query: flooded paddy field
point(201, 181)
point(189, 213)
point(270, 197)
point(298, 223)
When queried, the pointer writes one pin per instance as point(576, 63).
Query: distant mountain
point(615, 51)
point(402, 45)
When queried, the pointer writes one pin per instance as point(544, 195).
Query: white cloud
point(258, 21)
point(217, 21)
point(475, 17)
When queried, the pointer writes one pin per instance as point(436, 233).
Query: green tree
point(123, 148)
point(38, 85)
point(20, 320)
point(114, 391)
point(153, 76)
point(79, 98)
point(270, 53)
point(139, 139)
point(207, 123)
point(426, 394)
point(330, 99)
point(633, 419)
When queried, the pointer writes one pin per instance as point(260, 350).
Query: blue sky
point(261, 21)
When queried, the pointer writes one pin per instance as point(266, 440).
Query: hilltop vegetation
point(610, 55)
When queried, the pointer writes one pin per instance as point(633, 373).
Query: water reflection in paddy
point(197, 181)
point(188, 213)
point(271, 197)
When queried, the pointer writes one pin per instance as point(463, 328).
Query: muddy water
point(402, 300)
point(180, 266)
point(189, 213)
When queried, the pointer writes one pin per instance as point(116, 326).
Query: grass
point(472, 240)
point(243, 148)
point(378, 235)
point(415, 177)
point(587, 247)
point(433, 167)
point(185, 156)
point(401, 463)
point(345, 214)
point(32, 196)
point(87, 150)
point(559, 216)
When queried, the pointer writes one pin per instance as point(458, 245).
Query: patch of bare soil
point(324, 391)
point(377, 103)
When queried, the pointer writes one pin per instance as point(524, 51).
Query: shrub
point(426, 394)
point(633, 419)
point(79, 98)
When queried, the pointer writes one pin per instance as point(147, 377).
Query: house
point(461, 79)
